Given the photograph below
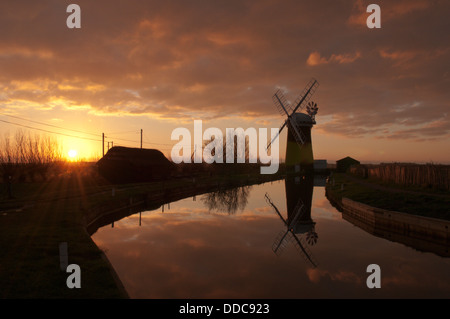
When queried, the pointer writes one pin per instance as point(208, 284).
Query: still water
point(234, 244)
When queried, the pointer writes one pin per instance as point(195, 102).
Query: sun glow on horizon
point(72, 154)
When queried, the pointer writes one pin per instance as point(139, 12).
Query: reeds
point(424, 175)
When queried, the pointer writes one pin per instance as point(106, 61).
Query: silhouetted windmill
point(289, 235)
point(298, 147)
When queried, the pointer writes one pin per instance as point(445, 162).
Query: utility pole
point(103, 144)
point(141, 138)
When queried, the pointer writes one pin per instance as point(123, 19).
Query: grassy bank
point(411, 200)
point(32, 225)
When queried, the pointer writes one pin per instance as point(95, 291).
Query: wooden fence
point(424, 175)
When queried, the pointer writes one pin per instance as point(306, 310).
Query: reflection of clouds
point(133, 253)
point(184, 258)
point(132, 237)
point(320, 213)
point(322, 203)
point(265, 210)
point(186, 215)
point(321, 206)
point(315, 275)
point(190, 253)
point(414, 272)
point(196, 243)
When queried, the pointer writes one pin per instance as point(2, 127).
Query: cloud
point(395, 10)
point(178, 59)
point(427, 132)
point(315, 58)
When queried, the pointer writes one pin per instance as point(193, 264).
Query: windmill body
point(299, 153)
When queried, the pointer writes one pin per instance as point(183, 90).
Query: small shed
point(128, 165)
point(345, 163)
point(320, 165)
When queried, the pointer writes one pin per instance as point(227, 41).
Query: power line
point(146, 140)
point(55, 126)
point(75, 136)
point(122, 132)
point(121, 139)
point(47, 131)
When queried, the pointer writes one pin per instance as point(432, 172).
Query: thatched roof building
point(128, 165)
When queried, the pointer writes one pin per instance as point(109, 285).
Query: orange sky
point(157, 65)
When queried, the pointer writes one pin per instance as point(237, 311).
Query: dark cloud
point(172, 58)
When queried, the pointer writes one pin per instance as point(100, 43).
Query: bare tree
point(9, 160)
point(237, 152)
point(27, 155)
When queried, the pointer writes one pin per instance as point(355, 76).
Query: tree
point(27, 155)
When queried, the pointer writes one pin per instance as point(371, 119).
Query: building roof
point(348, 158)
point(136, 156)
point(124, 164)
point(302, 118)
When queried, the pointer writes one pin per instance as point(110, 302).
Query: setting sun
point(72, 154)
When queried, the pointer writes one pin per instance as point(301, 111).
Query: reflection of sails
point(298, 222)
point(229, 200)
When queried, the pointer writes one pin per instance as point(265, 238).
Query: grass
point(29, 260)
point(413, 200)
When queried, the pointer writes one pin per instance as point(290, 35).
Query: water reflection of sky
point(190, 252)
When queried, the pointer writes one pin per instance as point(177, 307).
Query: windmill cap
point(302, 118)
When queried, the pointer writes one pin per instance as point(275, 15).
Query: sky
point(158, 65)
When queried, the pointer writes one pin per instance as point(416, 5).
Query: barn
point(344, 163)
point(129, 165)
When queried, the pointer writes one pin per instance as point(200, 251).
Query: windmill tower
point(299, 152)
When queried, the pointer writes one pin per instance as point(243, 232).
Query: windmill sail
point(284, 108)
point(298, 134)
point(298, 212)
point(281, 103)
point(276, 136)
point(279, 243)
point(303, 250)
point(305, 96)
point(269, 201)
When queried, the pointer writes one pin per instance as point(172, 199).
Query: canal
point(281, 239)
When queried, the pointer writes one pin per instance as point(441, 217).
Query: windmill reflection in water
point(300, 228)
